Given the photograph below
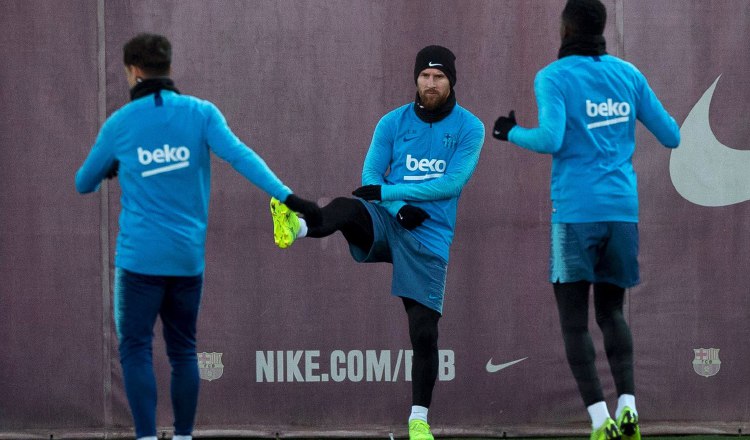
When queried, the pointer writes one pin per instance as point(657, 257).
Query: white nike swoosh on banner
point(704, 171)
point(495, 368)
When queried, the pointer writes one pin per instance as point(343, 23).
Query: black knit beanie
point(436, 57)
point(587, 17)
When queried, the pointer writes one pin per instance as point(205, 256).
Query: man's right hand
point(410, 216)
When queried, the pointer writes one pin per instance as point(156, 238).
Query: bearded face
point(433, 88)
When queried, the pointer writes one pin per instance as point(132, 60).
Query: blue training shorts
point(418, 273)
point(600, 252)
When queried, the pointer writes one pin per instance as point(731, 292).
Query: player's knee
point(609, 318)
point(341, 203)
point(575, 330)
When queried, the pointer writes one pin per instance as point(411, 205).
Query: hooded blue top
point(163, 149)
point(588, 106)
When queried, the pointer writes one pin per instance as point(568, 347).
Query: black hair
point(585, 17)
point(150, 52)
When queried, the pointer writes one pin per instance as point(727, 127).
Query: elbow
point(370, 178)
point(80, 188)
point(454, 190)
point(669, 135)
point(673, 141)
point(83, 187)
point(554, 142)
point(84, 190)
point(548, 140)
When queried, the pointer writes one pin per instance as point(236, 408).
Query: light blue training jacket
point(588, 106)
point(165, 174)
point(425, 165)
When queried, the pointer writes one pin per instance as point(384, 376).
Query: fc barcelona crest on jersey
point(706, 361)
point(449, 140)
point(210, 366)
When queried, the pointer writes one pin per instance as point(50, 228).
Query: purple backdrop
point(304, 341)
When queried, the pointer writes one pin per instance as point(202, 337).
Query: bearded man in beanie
point(421, 156)
point(588, 103)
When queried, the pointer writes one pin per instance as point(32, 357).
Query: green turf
point(674, 437)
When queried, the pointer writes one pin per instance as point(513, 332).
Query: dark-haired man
point(421, 156)
point(160, 145)
point(588, 103)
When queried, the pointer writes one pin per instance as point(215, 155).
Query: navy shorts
point(418, 273)
point(600, 252)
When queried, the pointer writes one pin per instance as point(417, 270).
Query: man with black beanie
point(421, 156)
point(588, 103)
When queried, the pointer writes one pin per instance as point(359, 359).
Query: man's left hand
point(367, 192)
point(503, 125)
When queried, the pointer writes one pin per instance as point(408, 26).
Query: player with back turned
point(588, 103)
point(160, 145)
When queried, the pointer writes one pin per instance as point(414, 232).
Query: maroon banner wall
point(304, 341)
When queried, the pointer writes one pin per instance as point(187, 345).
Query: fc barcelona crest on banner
point(210, 366)
point(706, 361)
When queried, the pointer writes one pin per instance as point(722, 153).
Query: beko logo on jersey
point(433, 167)
point(619, 111)
point(165, 154)
point(175, 157)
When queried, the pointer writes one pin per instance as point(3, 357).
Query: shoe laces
point(612, 432)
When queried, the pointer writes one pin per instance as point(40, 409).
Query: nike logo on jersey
point(704, 171)
point(492, 368)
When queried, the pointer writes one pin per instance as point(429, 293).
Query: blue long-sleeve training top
point(425, 165)
point(163, 149)
point(588, 106)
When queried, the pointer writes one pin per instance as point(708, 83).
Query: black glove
point(367, 192)
point(410, 216)
point(309, 210)
point(112, 171)
point(503, 125)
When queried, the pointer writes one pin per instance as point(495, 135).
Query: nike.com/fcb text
point(343, 366)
